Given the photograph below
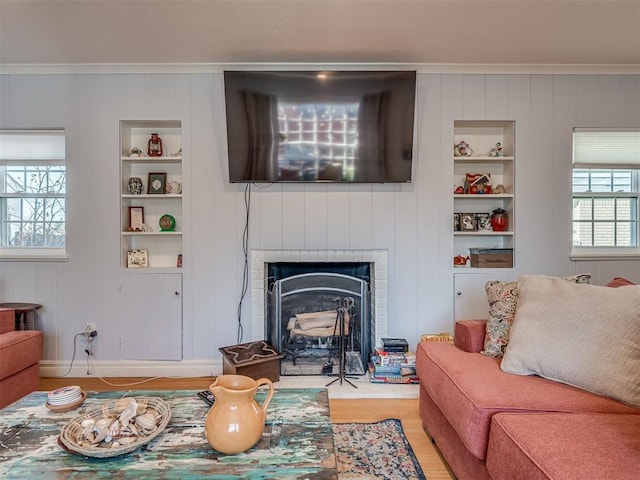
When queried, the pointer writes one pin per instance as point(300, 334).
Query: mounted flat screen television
point(312, 126)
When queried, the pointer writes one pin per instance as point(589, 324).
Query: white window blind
point(596, 148)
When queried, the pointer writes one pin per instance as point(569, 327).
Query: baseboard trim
point(132, 368)
point(203, 368)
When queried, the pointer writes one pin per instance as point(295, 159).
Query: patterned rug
point(377, 450)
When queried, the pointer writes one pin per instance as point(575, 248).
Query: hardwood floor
point(342, 410)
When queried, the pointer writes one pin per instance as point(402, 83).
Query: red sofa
point(489, 424)
point(20, 354)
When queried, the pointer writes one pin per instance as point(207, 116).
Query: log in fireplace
point(305, 306)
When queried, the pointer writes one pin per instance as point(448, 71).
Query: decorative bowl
point(72, 437)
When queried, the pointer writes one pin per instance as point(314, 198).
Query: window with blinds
point(606, 191)
point(32, 193)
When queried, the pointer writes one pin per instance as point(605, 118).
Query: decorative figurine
point(460, 261)
point(174, 187)
point(154, 148)
point(135, 152)
point(496, 151)
point(462, 149)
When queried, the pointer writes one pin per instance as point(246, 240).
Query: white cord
point(74, 352)
point(90, 359)
point(91, 366)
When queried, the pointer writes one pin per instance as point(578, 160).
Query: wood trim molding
point(435, 68)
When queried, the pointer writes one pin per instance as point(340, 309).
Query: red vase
point(499, 220)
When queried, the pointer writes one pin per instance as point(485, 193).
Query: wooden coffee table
point(297, 442)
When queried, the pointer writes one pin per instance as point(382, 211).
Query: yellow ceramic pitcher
point(235, 422)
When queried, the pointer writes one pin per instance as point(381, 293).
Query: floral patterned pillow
point(503, 301)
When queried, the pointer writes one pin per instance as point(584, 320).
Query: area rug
point(374, 450)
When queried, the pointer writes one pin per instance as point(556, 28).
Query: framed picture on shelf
point(157, 182)
point(483, 222)
point(136, 219)
point(467, 222)
point(137, 259)
point(456, 222)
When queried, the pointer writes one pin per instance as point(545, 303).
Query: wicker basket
point(70, 434)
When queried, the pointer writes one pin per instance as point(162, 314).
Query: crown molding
point(427, 68)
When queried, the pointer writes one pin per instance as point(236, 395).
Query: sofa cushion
point(458, 458)
point(582, 335)
point(19, 384)
point(19, 350)
point(7, 320)
point(602, 446)
point(503, 301)
point(619, 282)
point(470, 388)
point(469, 335)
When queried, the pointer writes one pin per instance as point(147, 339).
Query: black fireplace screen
point(302, 321)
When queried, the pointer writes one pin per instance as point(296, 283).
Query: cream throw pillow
point(503, 301)
point(583, 335)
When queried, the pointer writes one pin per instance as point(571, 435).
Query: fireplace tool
point(344, 305)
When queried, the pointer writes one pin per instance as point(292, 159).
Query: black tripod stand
point(344, 305)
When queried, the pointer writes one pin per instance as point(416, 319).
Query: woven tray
point(71, 433)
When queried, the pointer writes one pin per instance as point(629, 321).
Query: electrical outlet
point(90, 330)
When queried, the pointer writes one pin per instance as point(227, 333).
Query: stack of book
point(393, 363)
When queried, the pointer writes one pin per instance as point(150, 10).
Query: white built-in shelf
point(487, 233)
point(492, 196)
point(154, 196)
point(482, 158)
point(163, 247)
point(151, 234)
point(482, 136)
point(176, 159)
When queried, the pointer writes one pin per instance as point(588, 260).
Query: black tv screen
point(312, 126)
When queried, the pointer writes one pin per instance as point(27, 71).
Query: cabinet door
point(151, 316)
point(470, 299)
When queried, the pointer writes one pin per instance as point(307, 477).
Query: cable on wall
point(91, 368)
point(245, 251)
point(73, 357)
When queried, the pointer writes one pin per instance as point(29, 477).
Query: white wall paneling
point(543, 158)
point(338, 216)
point(412, 222)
